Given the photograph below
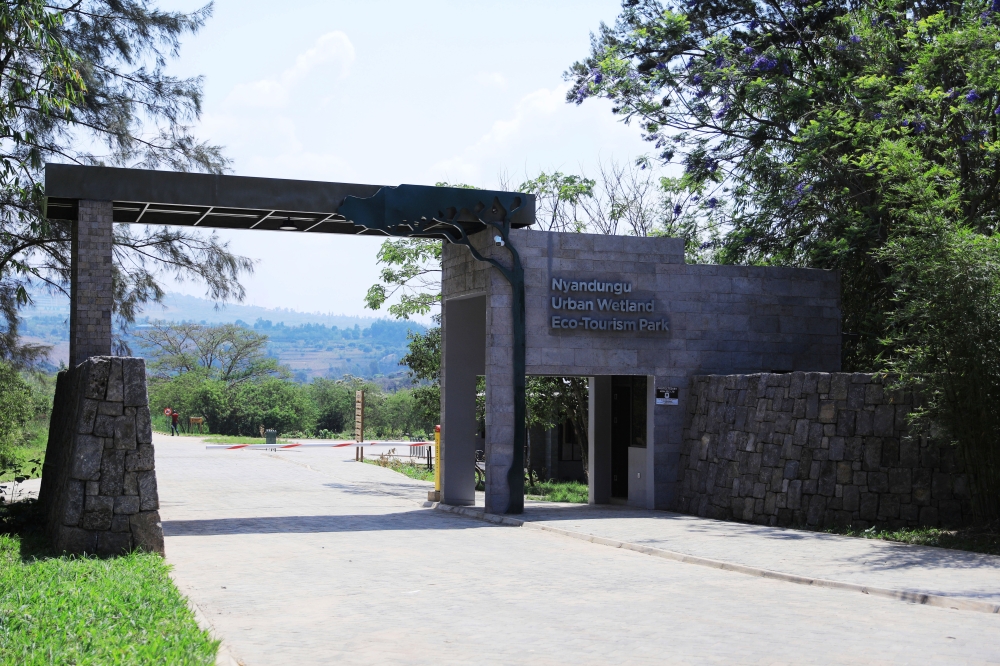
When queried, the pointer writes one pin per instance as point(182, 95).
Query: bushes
point(324, 406)
point(17, 409)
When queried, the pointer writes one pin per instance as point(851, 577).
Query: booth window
point(569, 448)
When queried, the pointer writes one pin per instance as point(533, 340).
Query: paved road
point(309, 557)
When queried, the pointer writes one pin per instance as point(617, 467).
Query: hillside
point(311, 344)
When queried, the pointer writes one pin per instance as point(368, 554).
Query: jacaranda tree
point(852, 135)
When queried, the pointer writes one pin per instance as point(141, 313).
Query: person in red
point(174, 416)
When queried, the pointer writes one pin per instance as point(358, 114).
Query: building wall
point(728, 319)
point(816, 450)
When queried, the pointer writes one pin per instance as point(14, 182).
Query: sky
point(389, 92)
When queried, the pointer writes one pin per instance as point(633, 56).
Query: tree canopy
point(84, 81)
point(859, 135)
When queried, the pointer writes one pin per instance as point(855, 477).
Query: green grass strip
point(85, 610)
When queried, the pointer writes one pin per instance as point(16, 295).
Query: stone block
point(856, 397)
point(852, 498)
point(127, 504)
point(909, 513)
point(116, 388)
point(99, 503)
point(149, 499)
point(88, 413)
point(120, 523)
point(888, 507)
point(104, 426)
point(143, 425)
point(836, 448)
point(878, 482)
point(74, 502)
point(97, 378)
point(109, 408)
point(885, 418)
point(899, 481)
point(112, 472)
point(75, 540)
point(134, 370)
point(873, 394)
point(140, 460)
point(941, 488)
point(130, 485)
point(869, 506)
point(872, 453)
point(929, 516)
point(96, 520)
point(125, 432)
point(863, 423)
point(839, 384)
point(114, 543)
point(93, 487)
point(827, 411)
point(87, 451)
point(844, 472)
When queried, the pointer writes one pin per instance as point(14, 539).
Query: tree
point(786, 116)
point(17, 407)
point(852, 135)
point(83, 81)
point(424, 362)
point(229, 353)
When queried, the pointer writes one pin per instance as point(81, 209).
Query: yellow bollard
point(435, 495)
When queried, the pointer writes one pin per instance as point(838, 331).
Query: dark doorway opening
point(628, 427)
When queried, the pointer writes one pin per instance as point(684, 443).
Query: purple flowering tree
point(852, 135)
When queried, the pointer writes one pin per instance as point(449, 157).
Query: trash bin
point(271, 436)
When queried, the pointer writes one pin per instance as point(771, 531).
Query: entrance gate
point(629, 313)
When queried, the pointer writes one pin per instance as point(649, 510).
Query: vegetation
point(84, 82)
point(85, 610)
point(556, 491)
point(859, 136)
point(25, 405)
point(413, 470)
point(983, 538)
point(223, 374)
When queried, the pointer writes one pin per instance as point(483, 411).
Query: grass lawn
point(236, 439)
point(416, 471)
point(84, 610)
point(977, 539)
point(557, 491)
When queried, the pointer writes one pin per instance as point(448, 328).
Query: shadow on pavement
point(889, 555)
point(413, 520)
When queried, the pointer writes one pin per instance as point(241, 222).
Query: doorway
point(628, 430)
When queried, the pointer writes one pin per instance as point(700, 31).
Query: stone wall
point(814, 449)
point(98, 489)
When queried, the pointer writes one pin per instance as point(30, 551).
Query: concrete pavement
point(309, 557)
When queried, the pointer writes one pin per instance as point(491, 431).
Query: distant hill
point(310, 344)
point(180, 307)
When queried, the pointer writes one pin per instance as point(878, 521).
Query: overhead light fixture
point(288, 225)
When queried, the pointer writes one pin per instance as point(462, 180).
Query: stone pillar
point(599, 440)
point(463, 352)
point(499, 392)
point(99, 482)
point(90, 283)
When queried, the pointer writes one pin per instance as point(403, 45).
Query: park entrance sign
point(625, 312)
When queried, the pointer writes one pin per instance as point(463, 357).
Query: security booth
point(632, 316)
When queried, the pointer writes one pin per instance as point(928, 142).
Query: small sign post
point(359, 424)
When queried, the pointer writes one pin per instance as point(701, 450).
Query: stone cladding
point(92, 265)
point(815, 449)
point(98, 489)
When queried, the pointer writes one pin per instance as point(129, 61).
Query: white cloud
point(332, 54)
